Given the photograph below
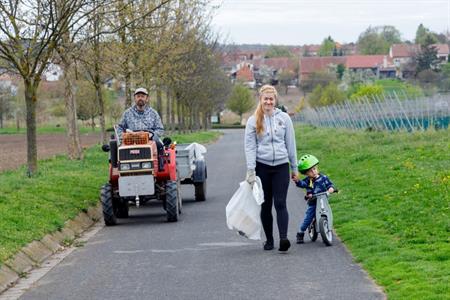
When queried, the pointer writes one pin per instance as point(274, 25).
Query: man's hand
point(251, 176)
point(294, 177)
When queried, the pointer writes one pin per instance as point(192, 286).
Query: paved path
point(199, 258)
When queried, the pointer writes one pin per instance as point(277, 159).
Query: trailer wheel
point(172, 201)
point(106, 199)
point(200, 191)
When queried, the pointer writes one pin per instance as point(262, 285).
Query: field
point(393, 209)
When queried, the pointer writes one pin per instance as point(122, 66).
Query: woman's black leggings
point(275, 182)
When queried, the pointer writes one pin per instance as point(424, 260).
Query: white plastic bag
point(244, 209)
point(199, 150)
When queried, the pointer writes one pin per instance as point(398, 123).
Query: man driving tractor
point(140, 116)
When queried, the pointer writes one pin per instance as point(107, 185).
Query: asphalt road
point(199, 258)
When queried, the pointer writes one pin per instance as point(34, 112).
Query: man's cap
point(141, 90)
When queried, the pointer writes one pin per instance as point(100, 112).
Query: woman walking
point(269, 148)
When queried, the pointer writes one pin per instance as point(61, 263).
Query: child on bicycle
point(314, 183)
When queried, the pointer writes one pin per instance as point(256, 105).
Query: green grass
point(44, 129)
point(227, 126)
point(32, 207)
point(199, 137)
point(401, 88)
point(393, 209)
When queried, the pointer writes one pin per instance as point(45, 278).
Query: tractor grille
point(134, 154)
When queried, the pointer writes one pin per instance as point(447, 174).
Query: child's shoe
point(300, 237)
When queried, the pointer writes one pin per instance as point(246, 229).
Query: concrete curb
point(7, 278)
point(36, 252)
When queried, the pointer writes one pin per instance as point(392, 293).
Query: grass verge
point(45, 129)
point(32, 207)
point(393, 209)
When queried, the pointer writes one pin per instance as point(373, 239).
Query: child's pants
point(309, 216)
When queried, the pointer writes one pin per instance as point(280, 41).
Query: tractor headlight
point(124, 167)
point(147, 165)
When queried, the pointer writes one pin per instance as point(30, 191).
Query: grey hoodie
point(275, 146)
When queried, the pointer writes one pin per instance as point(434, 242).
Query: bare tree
point(29, 33)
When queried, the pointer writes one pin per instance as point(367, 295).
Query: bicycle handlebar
point(324, 193)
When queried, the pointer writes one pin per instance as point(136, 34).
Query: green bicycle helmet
point(306, 162)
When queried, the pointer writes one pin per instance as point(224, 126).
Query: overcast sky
point(298, 22)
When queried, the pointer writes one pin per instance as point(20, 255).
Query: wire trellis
point(388, 112)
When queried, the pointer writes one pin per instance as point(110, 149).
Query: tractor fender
point(199, 174)
point(172, 165)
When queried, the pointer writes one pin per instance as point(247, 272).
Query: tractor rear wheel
point(172, 201)
point(106, 198)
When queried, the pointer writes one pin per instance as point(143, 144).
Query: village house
point(399, 63)
point(244, 74)
point(380, 65)
point(403, 56)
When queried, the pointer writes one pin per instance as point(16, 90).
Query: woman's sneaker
point(284, 245)
point(300, 237)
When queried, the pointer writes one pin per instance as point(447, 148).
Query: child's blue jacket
point(317, 185)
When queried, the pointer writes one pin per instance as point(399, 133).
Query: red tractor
point(139, 172)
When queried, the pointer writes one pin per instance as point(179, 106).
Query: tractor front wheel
point(172, 201)
point(122, 208)
point(107, 205)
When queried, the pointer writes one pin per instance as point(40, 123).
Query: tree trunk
point(197, 119)
point(128, 100)
point(168, 125)
point(30, 102)
point(16, 114)
point(98, 83)
point(179, 123)
point(74, 150)
point(93, 123)
point(159, 103)
point(101, 114)
point(172, 112)
point(121, 8)
point(1, 118)
point(207, 120)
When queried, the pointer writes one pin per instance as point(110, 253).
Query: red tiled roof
point(314, 64)
point(277, 63)
point(245, 74)
point(442, 48)
point(404, 50)
point(366, 61)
